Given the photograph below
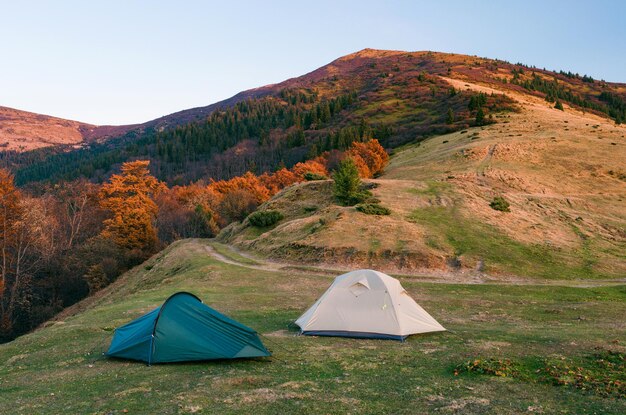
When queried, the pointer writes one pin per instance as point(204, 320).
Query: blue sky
point(119, 62)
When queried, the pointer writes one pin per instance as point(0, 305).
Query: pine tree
point(559, 105)
point(450, 116)
point(347, 182)
point(313, 151)
point(480, 116)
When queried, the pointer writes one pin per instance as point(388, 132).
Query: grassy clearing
point(59, 369)
point(433, 188)
point(473, 241)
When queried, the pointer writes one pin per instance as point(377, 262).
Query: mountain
point(385, 81)
point(25, 131)
point(264, 127)
point(562, 172)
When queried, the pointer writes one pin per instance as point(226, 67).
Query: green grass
point(59, 369)
point(227, 252)
point(474, 240)
point(433, 188)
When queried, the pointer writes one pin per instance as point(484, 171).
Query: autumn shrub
point(315, 166)
point(372, 209)
point(308, 176)
point(370, 158)
point(500, 203)
point(265, 218)
point(236, 205)
point(278, 180)
point(248, 183)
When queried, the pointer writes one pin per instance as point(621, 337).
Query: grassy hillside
point(529, 333)
point(562, 173)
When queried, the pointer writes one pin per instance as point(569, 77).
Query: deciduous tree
point(129, 197)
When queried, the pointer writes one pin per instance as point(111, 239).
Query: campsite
point(522, 330)
point(324, 208)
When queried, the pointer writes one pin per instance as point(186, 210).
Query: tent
point(184, 329)
point(366, 304)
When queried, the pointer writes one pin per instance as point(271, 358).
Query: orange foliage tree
point(278, 180)
point(315, 166)
point(238, 196)
point(187, 211)
point(370, 158)
point(129, 197)
point(248, 182)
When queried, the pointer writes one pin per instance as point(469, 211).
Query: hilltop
point(562, 172)
point(498, 329)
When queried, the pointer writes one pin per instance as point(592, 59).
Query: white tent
point(368, 304)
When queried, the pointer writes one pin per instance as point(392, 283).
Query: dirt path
point(263, 266)
point(443, 278)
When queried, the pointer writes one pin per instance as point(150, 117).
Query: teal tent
point(184, 329)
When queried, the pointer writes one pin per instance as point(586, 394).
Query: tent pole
point(150, 352)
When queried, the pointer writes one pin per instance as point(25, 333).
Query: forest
point(77, 237)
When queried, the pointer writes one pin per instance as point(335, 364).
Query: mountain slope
point(402, 96)
point(25, 131)
point(373, 72)
point(60, 369)
point(563, 173)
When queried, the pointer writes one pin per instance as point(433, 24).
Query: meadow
point(509, 349)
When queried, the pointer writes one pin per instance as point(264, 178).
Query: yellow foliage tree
point(129, 196)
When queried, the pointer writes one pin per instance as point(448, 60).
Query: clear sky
point(120, 62)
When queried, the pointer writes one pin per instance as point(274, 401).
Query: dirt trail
point(447, 278)
point(263, 266)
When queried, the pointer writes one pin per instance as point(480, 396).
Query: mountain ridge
point(355, 64)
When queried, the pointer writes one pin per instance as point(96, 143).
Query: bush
point(265, 218)
point(96, 278)
point(372, 209)
point(370, 185)
point(559, 105)
point(236, 205)
point(308, 176)
point(499, 203)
